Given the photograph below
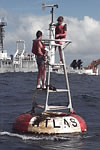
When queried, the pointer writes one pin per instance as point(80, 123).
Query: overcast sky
point(25, 17)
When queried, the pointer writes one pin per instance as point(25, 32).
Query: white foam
point(34, 137)
point(23, 137)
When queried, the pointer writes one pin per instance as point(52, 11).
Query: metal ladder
point(47, 107)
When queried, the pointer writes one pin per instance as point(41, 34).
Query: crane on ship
point(93, 65)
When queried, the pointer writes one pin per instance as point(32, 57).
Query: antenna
point(52, 9)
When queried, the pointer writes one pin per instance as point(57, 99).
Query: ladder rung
point(52, 107)
point(59, 90)
point(56, 107)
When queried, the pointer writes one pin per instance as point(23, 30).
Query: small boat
point(91, 69)
point(53, 119)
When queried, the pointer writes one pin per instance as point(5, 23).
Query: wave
point(46, 137)
point(62, 142)
point(34, 137)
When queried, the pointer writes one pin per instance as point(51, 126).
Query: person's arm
point(61, 34)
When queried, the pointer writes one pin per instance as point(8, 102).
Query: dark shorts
point(40, 61)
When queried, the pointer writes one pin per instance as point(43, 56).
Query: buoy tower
point(53, 119)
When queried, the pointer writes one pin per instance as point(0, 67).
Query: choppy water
point(16, 92)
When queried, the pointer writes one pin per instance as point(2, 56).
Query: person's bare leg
point(39, 76)
point(43, 75)
point(60, 54)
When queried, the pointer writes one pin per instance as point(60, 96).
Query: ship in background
point(77, 67)
point(23, 61)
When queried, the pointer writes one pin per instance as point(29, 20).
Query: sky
point(25, 17)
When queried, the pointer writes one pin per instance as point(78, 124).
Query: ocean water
point(16, 96)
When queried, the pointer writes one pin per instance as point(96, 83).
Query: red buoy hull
point(50, 123)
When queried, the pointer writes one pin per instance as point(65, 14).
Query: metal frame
point(51, 42)
point(66, 79)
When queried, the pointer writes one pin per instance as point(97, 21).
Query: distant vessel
point(21, 61)
point(91, 69)
point(83, 71)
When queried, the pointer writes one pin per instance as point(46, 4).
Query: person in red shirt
point(38, 49)
point(60, 33)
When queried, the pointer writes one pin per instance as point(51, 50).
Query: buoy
point(50, 123)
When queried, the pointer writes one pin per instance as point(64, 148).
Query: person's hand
point(57, 35)
point(44, 57)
